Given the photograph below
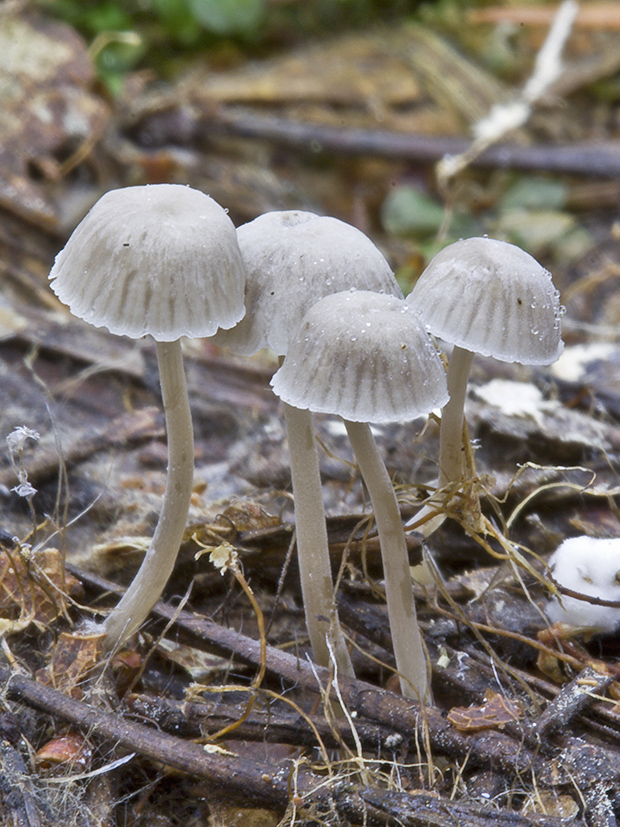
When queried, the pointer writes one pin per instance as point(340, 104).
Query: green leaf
point(178, 19)
point(409, 212)
point(532, 192)
point(228, 17)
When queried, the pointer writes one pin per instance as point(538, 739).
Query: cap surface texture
point(161, 259)
point(492, 298)
point(293, 258)
point(364, 356)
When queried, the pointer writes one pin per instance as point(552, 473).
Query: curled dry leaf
point(494, 713)
point(72, 659)
point(33, 588)
point(239, 516)
point(199, 665)
point(126, 666)
point(71, 750)
point(246, 515)
point(551, 803)
point(565, 639)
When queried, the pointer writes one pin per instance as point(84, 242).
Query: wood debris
point(525, 725)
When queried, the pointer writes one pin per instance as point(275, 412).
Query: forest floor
point(215, 714)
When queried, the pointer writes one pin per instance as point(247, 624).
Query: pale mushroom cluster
point(166, 261)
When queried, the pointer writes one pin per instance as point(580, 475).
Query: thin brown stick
point(244, 778)
point(592, 159)
point(374, 704)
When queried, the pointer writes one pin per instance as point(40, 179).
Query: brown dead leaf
point(71, 750)
point(49, 117)
point(550, 667)
point(33, 588)
point(245, 515)
point(570, 651)
point(240, 516)
point(354, 70)
point(551, 803)
point(201, 666)
point(494, 713)
point(126, 666)
point(74, 656)
point(406, 77)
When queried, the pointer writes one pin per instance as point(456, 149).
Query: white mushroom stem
point(406, 638)
point(451, 453)
point(451, 449)
point(312, 545)
point(160, 558)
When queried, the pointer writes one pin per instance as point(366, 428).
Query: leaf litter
point(524, 726)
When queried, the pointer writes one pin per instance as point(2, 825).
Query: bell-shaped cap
point(160, 259)
point(364, 356)
point(293, 259)
point(492, 298)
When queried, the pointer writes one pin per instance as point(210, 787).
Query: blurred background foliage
point(167, 37)
point(164, 34)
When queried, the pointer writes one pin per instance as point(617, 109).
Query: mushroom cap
point(293, 258)
point(590, 566)
point(160, 259)
point(492, 298)
point(364, 356)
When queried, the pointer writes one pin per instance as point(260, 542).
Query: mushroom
point(160, 260)
point(293, 258)
point(588, 566)
point(489, 297)
point(367, 358)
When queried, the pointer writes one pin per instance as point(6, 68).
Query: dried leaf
point(71, 749)
point(201, 666)
point(246, 515)
point(563, 638)
point(33, 588)
point(126, 666)
point(494, 713)
point(366, 70)
point(74, 656)
point(549, 803)
point(49, 117)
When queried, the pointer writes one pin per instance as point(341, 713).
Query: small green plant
point(161, 34)
point(155, 33)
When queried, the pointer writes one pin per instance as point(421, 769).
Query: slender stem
point(161, 555)
point(406, 638)
point(451, 448)
point(451, 453)
point(312, 546)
